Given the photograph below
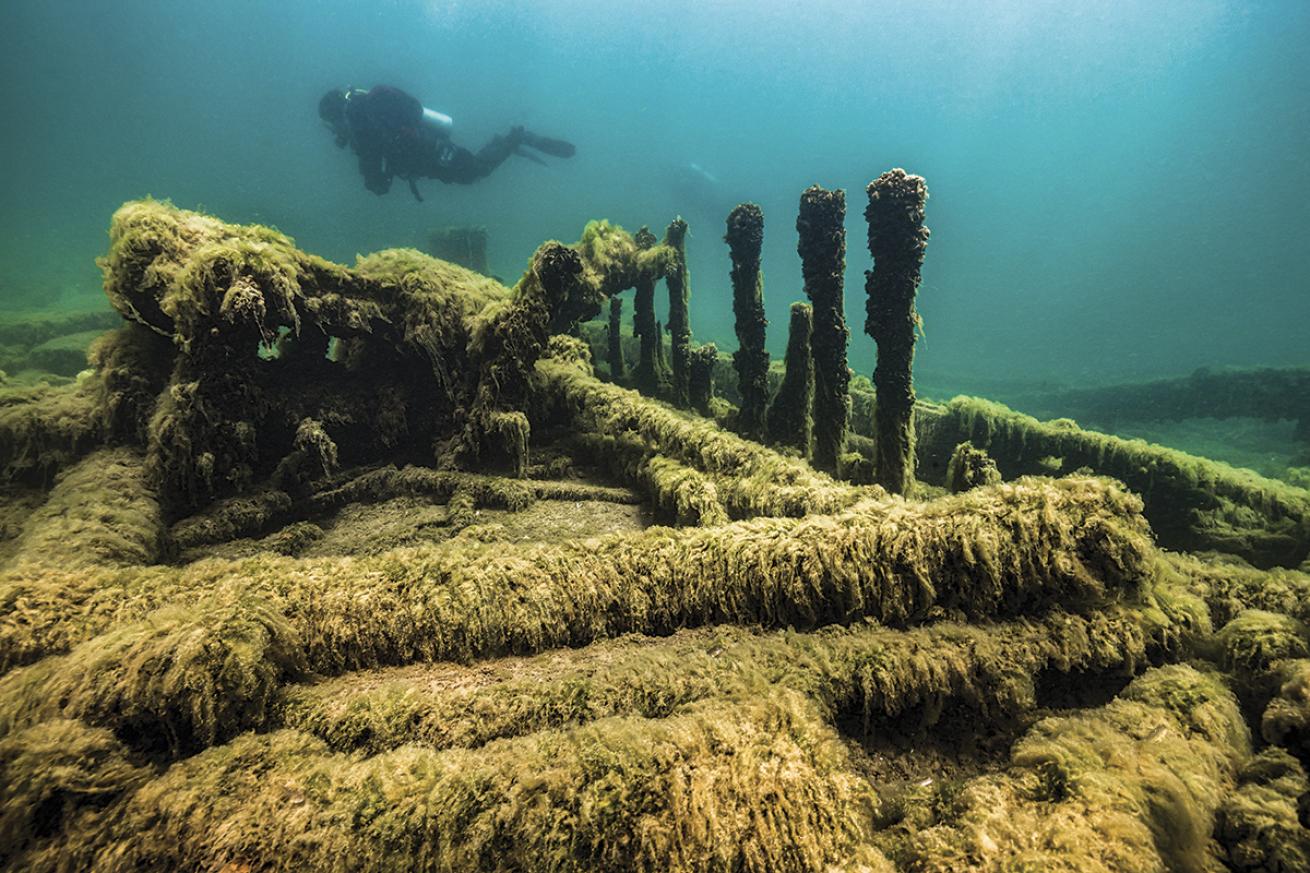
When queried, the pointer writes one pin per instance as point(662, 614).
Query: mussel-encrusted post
point(822, 247)
point(745, 237)
point(790, 421)
point(678, 280)
point(618, 368)
point(651, 376)
point(701, 384)
point(897, 239)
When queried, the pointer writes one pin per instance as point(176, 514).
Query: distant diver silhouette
point(395, 136)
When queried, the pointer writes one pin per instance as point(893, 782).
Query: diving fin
point(557, 147)
point(529, 155)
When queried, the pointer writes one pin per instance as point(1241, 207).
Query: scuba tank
point(438, 122)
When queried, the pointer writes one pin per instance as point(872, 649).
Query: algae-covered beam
point(883, 678)
point(1193, 504)
point(750, 742)
point(745, 237)
point(209, 645)
point(755, 786)
point(822, 247)
point(791, 421)
point(754, 480)
point(683, 493)
point(101, 512)
point(897, 239)
point(1230, 586)
point(44, 429)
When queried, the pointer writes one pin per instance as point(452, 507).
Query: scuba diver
point(395, 136)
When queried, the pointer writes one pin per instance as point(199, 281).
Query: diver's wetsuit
point(386, 131)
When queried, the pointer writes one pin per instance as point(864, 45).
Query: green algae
point(1258, 822)
point(760, 481)
point(864, 675)
point(1132, 786)
point(464, 600)
point(1255, 646)
point(44, 429)
point(716, 696)
point(1193, 504)
point(1286, 720)
point(58, 775)
point(970, 468)
point(747, 786)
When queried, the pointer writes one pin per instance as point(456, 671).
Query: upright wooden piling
point(897, 240)
point(651, 377)
point(678, 280)
point(701, 386)
point(790, 421)
point(822, 247)
point(745, 237)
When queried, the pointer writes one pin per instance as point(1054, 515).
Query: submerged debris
point(307, 569)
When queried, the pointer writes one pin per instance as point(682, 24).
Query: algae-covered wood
point(322, 567)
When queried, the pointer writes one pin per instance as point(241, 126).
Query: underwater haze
point(1117, 189)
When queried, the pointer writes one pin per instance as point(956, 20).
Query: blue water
point(1118, 189)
